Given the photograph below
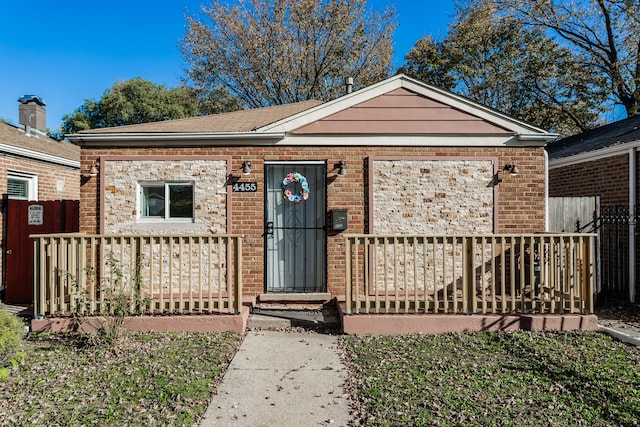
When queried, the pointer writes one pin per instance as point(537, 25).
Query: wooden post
point(347, 275)
point(468, 275)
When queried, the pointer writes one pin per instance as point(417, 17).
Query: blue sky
point(68, 51)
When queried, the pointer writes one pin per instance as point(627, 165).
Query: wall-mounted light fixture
point(246, 167)
point(94, 170)
point(342, 169)
point(512, 169)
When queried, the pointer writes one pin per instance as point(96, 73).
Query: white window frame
point(167, 210)
point(31, 181)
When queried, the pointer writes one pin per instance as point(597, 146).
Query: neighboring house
point(397, 157)
point(603, 162)
point(33, 167)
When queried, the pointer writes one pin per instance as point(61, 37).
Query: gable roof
point(500, 122)
point(13, 140)
point(414, 112)
point(235, 121)
point(617, 133)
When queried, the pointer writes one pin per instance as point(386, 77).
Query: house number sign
point(245, 187)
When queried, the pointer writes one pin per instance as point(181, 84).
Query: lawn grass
point(476, 379)
point(148, 379)
point(494, 379)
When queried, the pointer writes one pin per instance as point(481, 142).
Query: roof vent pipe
point(348, 82)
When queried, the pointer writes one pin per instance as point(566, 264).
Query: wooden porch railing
point(505, 274)
point(171, 274)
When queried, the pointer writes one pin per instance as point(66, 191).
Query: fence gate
point(24, 218)
point(613, 226)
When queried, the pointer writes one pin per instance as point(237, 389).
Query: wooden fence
point(152, 274)
point(505, 274)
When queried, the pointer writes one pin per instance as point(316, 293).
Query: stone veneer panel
point(121, 198)
point(433, 196)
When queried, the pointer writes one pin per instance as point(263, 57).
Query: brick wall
point(607, 178)
point(519, 205)
point(54, 182)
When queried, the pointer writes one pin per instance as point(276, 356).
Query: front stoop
point(272, 318)
point(395, 324)
point(294, 299)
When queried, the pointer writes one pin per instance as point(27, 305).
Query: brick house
point(33, 167)
point(603, 162)
point(396, 157)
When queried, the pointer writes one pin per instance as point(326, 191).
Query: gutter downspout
point(632, 224)
point(546, 191)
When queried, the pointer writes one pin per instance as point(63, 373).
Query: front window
point(167, 201)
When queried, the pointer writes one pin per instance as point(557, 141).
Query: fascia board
point(36, 155)
point(319, 140)
point(408, 140)
point(590, 156)
point(171, 138)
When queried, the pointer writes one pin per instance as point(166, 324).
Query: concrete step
point(295, 298)
point(267, 318)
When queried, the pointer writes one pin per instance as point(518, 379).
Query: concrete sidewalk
point(284, 379)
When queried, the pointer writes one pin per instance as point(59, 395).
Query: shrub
point(11, 331)
point(120, 301)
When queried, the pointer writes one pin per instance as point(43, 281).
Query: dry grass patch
point(494, 379)
point(147, 379)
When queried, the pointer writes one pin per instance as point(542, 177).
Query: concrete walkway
point(282, 379)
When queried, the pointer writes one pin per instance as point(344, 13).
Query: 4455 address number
point(245, 187)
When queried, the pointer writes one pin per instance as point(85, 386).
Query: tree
point(603, 34)
point(431, 62)
point(499, 62)
point(141, 101)
point(270, 52)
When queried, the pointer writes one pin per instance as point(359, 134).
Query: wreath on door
point(299, 194)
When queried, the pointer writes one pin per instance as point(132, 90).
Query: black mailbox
point(339, 220)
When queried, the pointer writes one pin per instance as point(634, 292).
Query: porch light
point(246, 167)
point(342, 169)
point(512, 169)
point(93, 171)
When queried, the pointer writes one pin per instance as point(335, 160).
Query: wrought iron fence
point(613, 224)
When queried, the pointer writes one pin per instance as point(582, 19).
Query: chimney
point(33, 115)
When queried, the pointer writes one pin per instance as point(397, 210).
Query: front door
point(295, 230)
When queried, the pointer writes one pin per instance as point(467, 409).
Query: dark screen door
point(295, 230)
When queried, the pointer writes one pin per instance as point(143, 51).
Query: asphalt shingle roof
point(11, 135)
point(619, 132)
point(236, 121)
